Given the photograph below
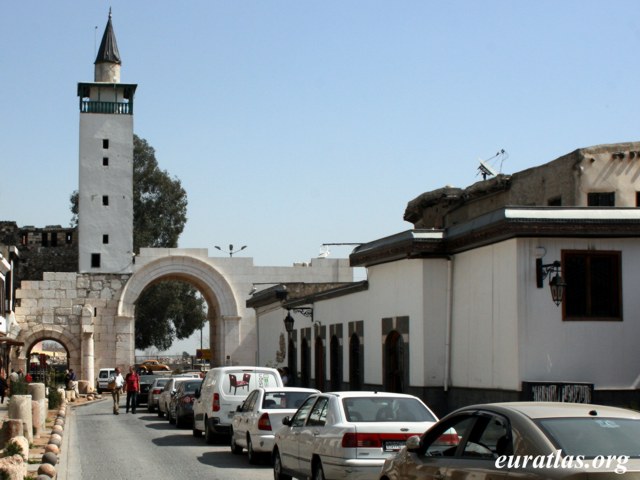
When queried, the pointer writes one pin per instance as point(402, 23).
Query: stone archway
point(223, 308)
point(52, 332)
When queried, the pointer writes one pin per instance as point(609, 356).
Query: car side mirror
point(413, 443)
point(239, 408)
point(286, 421)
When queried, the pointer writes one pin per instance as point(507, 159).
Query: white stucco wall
point(114, 180)
point(484, 348)
point(605, 353)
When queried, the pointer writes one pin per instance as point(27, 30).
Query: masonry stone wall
point(75, 310)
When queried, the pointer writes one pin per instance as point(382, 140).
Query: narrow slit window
point(105, 161)
point(105, 200)
point(105, 239)
point(95, 260)
point(105, 143)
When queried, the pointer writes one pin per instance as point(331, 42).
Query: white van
point(223, 390)
point(103, 378)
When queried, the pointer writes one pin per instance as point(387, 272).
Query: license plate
point(393, 446)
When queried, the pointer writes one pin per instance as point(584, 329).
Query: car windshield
point(594, 436)
point(386, 409)
point(282, 400)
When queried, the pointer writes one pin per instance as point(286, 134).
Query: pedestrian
point(284, 373)
point(28, 378)
point(3, 388)
point(71, 381)
point(116, 382)
point(132, 381)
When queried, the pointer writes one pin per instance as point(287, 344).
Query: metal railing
point(88, 106)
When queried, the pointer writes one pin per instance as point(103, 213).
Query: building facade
point(463, 313)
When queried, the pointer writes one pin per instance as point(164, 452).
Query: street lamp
point(557, 285)
point(231, 251)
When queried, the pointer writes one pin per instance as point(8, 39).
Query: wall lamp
point(288, 320)
point(556, 283)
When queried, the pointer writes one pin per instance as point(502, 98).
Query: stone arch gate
point(92, 315)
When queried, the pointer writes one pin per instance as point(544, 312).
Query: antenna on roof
point(487, 170)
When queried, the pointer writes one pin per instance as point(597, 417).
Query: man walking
point(132, 381)
point(116, 382)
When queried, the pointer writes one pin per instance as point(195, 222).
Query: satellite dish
point(485, 170)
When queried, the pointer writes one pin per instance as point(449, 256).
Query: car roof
point(288, 389)
point(358, 393)
point(536, 410)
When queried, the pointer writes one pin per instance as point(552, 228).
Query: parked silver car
point(347, 435)
point(168, 392)
point(260, 415)
point(525, 440)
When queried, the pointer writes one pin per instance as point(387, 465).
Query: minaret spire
point(107, 64)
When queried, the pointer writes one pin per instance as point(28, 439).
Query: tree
point(169, 309)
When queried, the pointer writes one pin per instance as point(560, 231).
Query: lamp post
point(231, 250)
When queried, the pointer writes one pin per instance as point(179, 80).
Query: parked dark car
point(181, 406)
point(145, 385)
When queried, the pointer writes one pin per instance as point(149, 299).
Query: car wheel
point(195, 432)
point(172, 420)
point(318, 472)
point(277, 468)
point(235, 448)
point(160, 413)
point(179, 421)
point(209, 436)
point(150, 409)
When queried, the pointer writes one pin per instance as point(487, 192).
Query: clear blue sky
point(296, 123)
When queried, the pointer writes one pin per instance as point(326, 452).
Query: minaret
point(105, 193)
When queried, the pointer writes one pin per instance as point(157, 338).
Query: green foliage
point(13, 448)
point(55, 398)
point(169, 310)
point(19, 387)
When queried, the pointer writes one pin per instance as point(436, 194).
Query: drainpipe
point(449, 318)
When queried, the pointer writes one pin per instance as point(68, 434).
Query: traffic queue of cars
point(357, 435)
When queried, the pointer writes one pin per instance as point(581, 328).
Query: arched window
point(394, 362)
point(355, 363)
point(320, 370)
point(335, 353)
point(305, 360)
point(292, 362)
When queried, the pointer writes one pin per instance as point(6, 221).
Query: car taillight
point(157, 391)
point(372, 440)
point(264, 423)
point(215, 406)
point(186, 399)
point(449, 439)
point(361, 440)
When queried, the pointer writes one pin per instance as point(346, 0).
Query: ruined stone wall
point(72, 308)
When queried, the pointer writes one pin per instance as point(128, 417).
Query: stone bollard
point(70, 395)
point(83, 387)
point(39, 394)
point(10, 429)
point(20, 409)
point(35, 414)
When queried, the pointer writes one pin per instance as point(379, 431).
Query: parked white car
point(168, 391)
point(153, 396)
point(260, 415)
point(222, 391)
point(347, 435)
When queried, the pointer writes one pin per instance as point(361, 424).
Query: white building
point(457, 314)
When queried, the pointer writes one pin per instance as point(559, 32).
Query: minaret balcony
point(118, 108)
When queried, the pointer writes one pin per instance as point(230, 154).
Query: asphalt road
point(99, 445)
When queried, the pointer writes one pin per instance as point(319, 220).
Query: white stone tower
point(105, 201)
